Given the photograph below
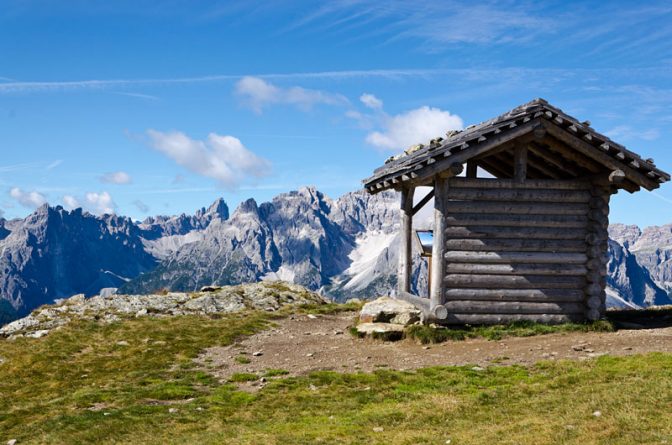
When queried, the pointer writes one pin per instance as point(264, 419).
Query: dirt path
point(301, 344)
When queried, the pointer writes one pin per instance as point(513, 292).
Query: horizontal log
point(514, 281)
point(419, 302)
point(493, 319)
point(539, 295)
point(522, 195)
point(516, 208)
point(543, 184)
point(517, 269)
point(564, 221)
point(490, 232)
point(515, 257)
point(512, 307)
point(516, 245)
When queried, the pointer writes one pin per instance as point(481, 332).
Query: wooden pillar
point(437, 289)
point(405, 259)
point(471, 169)
point(520, 163)
point(598, 252)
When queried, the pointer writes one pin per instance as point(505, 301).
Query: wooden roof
point(583, 151)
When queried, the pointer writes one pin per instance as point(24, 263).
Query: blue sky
point(150, 108)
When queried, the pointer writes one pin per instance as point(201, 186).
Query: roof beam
point(473, 151)
point(598, 155)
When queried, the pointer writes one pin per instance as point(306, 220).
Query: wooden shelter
point(528, 243)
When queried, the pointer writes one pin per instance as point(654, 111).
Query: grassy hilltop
point(136, 381)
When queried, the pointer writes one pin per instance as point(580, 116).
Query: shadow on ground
point(641, 319)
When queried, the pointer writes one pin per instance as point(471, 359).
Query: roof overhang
point(535, 121)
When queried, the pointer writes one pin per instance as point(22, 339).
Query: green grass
point(78, 386)
point(240, 377)
point(243, 360)
point(428, 334)
point(275, 372)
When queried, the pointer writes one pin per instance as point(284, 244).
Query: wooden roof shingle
point(423, 162)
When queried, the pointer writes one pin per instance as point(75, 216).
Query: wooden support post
point(597, 238)
point(436, 292)
point(471, 169)
point(520, 164)
point(405, 261)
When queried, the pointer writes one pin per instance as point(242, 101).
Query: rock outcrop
point(267, 296)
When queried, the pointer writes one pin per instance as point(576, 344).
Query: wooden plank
point(515, 257)
point(423, 202)
point(596, 154)
point(493, 319)
point(493, 232)
point(541, 295)
point(438, 265)
point(544, 184)
point(520, 164)
point(516, 208)
point(521, 195)
point(513, 307)
point(471, 152)
point(555, 159)
point(472, 168)
point(517, 269)
point(405, 261)
point(514, 281)
point(494, 169)
point(516, 245)
point(564, 221)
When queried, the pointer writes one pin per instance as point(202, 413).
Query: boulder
point(211, 288)
point(389, 310)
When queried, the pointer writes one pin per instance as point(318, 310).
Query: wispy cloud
point(54, 164)
point(626, 132)
point(223, 158)
point(430, 22)
point(258, 93)
point(463, 74)
point(116, 178)
point(136, 95)
point(144, 208)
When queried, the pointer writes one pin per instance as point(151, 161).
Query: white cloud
point(258, 93)
point(144, 208)
point(70, 202)
point(116, 178)
point(223, 158)
point(27, 199)
point(413, 127)
point(371, 101)
point(99, 202)
point(93, 202)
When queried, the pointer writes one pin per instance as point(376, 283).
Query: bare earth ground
point(301, 344)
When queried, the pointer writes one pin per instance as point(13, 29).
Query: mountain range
point(345, 248)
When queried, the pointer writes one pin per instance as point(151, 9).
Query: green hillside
point(136, 382)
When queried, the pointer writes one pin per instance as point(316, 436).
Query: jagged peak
point(247, 206)
point(218, 209)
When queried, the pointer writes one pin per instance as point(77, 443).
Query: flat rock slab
point(382, 331)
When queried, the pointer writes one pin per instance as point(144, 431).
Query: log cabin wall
point(532, 250)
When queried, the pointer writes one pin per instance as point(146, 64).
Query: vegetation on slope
point(136, 382)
